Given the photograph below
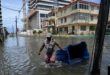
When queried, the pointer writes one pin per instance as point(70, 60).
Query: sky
point(96, 1)
point(9, 15)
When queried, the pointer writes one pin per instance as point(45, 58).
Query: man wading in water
point(49, 44)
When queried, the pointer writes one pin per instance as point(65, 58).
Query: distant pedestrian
point(49, 44)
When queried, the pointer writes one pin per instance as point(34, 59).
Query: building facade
point(49, 23)
point(2, 31)
point(39, 9)
point(0, 15)
point(79, 17)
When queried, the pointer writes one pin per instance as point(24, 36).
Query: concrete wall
point(42, 12)
point(34, 21)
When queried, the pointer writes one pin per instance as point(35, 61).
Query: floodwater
point(19, 56)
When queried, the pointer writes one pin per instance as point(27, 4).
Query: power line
point(19, 11)
point(10, 8)
point(24, 3)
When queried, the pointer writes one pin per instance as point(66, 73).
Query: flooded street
point(19, 56)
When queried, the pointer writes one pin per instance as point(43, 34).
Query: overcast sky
point(9, 15)
point(97, 1)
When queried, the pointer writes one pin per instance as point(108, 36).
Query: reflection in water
point(17, 40)
point(18, 56)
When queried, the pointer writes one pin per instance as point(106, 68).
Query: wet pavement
point(19, 56)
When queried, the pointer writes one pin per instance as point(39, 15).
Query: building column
point(88, 31)
point(77, 30)
point(69, 29)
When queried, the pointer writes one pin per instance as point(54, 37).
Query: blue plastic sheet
point(73, 53)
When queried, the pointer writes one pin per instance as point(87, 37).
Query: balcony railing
point(68, 13)
point(51, 18)
point(78, 22)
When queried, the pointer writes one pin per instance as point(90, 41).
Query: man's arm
point(58, 45)
point(41, 48)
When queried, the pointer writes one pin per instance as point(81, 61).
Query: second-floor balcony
point(76, 22)
point(50, 25)
point(69, 13)
point(51, 18)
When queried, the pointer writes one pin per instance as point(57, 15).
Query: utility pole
point(16, 26)
point(55, 11)
point(100, 34)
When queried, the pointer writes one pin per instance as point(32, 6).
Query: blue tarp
point(73, 53)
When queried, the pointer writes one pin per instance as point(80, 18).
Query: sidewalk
point(58, 35)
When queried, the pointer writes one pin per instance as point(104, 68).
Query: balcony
point(0, 19)
point(68, 13)
point(51, 18)
point(62, 24)
point(44, 4)
point(63, 3)
point(80, 22)
point(83, 22)
point(50, 25)
point(93, 22)
point(32, 1)
point(33, 5)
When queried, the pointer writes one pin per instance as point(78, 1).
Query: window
point(61, 13)
point(43, 15)
point(92, 7)
point(74, 6)
point(83, 28)
point(51, 14)
point(61, 20)
point(42, 19)
point(80, 6)
point(74, 17)
point(92, 18)
point(66, 29)
point(84, 17)
point(81, 16)
point(65, 19)
point(92, 28)
point(83, 6)
point(60, 29)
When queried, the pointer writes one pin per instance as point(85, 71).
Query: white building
point(79, 17)
point(38, 10)
point(0, 15)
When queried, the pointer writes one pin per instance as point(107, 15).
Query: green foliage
point(39, 32)
point(34, 32)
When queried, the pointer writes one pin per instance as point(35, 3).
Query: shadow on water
point(19, 56)
point(17, 40)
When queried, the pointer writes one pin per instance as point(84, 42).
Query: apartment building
point(38, 10)
point(49, 23)
point(0, 15)
point(79, 17)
